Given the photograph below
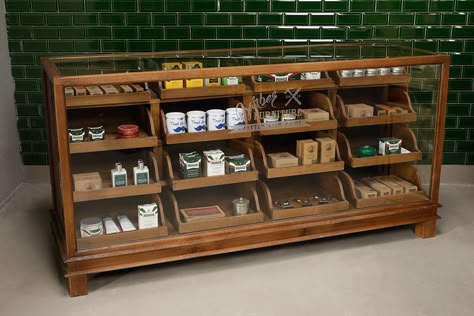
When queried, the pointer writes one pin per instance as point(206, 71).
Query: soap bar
point(87, 181)
point(327, 149)
point(381, 188)
point(364, 192)
point(281, 160)
point(359, 110)
point(314, 114)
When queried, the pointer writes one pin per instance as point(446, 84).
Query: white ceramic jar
point(176, 122)
point(215, 120)
point(196, 121)
point(234, 117)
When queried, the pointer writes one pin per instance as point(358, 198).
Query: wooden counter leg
point(77, 285)
point(426, 229)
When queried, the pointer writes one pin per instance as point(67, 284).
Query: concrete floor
point(386, 272)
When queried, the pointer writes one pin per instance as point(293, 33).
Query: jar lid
point(91, 222)
point(241, 201)
point(127, 129)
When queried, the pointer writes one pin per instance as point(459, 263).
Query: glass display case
point(164, 156)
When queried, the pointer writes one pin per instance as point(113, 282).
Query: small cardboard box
point(307, 151)
point(94, 90)
point(237, 163)
point(201, 213)
point(327, 149)
point(314, 114)
point(192, 83)
point(137, 88)
point(87, 181)
point(390, 146)
point(282, 77)
point(109, 89)
point(68, 92)
point(125, 88)
point(407, 186)
point(281, 160)
point(359, 110)
point(80, 90)
point(190, 165)
point(396, 188)
point(148, 216)
point(387, 108)
point(364, 192)
point(399, 110)
point(381, 188)
point(172, 84)
point(214, 163)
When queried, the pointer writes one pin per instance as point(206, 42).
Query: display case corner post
point(426, 229)
point(77, 285)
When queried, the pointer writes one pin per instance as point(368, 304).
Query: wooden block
point(87, 181)
point(396, 188)
point(364, 192)
point(381, 189)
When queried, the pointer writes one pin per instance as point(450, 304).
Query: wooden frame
point(78, 263)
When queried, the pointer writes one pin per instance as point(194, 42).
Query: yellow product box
point(193, 83)
point(172, 84)
point(327, 149)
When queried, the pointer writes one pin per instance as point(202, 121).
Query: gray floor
point(387, 272)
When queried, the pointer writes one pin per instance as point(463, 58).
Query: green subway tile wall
point(57, 27)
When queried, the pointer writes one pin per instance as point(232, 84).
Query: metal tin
point(96, 133)
point(372, 72)
point(359, 72)
point(346, 73)
point(288, 117)
point(384, 71)
point(76, 135)
point(398, 70)
point(241, 206)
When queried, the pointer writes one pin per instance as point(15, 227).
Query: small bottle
point(119, 176)
point(141, 175)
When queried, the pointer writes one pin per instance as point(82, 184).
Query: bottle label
point(120, 180)
point(142, 178)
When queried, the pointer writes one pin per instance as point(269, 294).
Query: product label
point(120, 180)
point(142, 178)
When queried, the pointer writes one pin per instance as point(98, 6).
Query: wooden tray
point(127, 206)
point(108, 100)
point(404, 171)
point(146, 138)
point(269, 172)
point(318, 84)
point(199, 92)
point(402, 79)
point(301, 187)
point(396, 97)
point(198, 137)
point(104, 163)
point(311, 100)
point(222, 196)
point(349, 146)
point(176, 183)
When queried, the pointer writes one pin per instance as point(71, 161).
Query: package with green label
point(148, 216)
point(190, 165)
point(237, 163)
point(390, 146)
point(96, 133)
point(214, 164)
point(76, 135)
point(230, 81)
point(278, 77)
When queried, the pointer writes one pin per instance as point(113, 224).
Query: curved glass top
point(138, 62)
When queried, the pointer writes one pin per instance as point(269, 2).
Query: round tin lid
point(127, 129)
point(91, 221)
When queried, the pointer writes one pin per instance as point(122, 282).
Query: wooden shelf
point(112, 208)
point(199, 137)
point(304, 187)
point(311, 100)
point(348, 148)
point(269, 172)
point(103, 163)
point(176, 183)
point(401, 79)
point(317, 84)
point(198, 92)
point(397, 97)
point(404, 171)
point(174, 201)
point(120, 99)
point(146, 138)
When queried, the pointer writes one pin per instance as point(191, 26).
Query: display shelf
point(396, 97)
point(113, 208)
point(176, 183)
point(110, 120)
point(261, 87)
point(269, 172)
point(198, 92)
point(104, 162)
point(119, 99)
point(221, 196)
point(322, 185)
point(403, 171)
point(348, 144)
point(201, 136)
point(401, 79)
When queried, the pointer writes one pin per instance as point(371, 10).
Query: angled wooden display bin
point(265, 224)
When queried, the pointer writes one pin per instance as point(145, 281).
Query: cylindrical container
point(366, 151)
point(398, 70)
point(241, 206)
point(91, 226)
point(176, 122)
point(359, 72)
point(234, 117)
point(372, 72)
point(270, 117)
point(215, 120)
point(384, 71)
point(346, 73)
point(288, 117)
point(196, 121)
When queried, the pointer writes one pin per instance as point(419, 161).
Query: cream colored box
point(299, 142)
point(68, 92)
point(94, 90)
point(381, 188)
point(109, 89)
point(327, 149)
point(87, 181)
point(407, 186)
point(314, 114)
point(125, 88)
point(387, 108)
point(396, 188)
point(359, 110)
point(364, 192)
point(80, 90)
point(281, 160)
